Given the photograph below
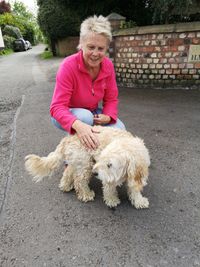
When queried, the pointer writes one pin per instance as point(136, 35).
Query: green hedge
point(12, 31)
point(8, 41)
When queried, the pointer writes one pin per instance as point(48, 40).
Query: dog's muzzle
point(95, 174)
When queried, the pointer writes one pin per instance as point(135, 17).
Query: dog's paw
point(86, 196)
point(141, 203)
point(112, 201)
point(66, 187)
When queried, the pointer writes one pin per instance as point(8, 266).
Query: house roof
point(115, 16)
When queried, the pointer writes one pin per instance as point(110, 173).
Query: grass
point(46, 55)
point(6, 52)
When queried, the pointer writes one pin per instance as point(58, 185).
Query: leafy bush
point(127, 24)
point(46, 55)
point(27, 26)
point(6, 52)
point(12, 31)
point(8, 41)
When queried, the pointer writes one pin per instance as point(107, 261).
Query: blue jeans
point(86, 116)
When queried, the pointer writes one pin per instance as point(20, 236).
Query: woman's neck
point(93, 72)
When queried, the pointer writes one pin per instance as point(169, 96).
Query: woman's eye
point(109, 165)
point(91, 47)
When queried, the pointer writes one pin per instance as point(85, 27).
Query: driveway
point(41, 226)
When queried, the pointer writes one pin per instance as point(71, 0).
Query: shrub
point(8, 41)
point(6, 52)
point(12, 31)
point(46, 55)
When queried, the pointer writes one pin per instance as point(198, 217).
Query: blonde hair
point(99, 25)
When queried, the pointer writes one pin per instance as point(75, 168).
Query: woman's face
point(94, 48)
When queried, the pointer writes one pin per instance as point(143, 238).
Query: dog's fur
point(119, 157)
point(126, 159)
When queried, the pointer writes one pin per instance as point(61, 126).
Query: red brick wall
point(157, 56)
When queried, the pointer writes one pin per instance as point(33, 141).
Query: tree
point(62, 18)
point(28, 21)
point(19, 9)
point(22, 19)
point(170, 11)
point(4, 7)
point(56, 21)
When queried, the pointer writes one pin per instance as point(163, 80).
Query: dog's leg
point(67, 180)
point(135, 196)
point(110, 195)
point(81, 185)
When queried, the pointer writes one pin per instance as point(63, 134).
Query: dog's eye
point(109, 165)
point(93, 161)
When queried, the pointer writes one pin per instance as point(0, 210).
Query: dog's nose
point(95, 174)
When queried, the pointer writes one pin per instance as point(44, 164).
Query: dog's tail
point(39, 167)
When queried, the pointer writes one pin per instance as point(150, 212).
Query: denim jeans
point(86, 116)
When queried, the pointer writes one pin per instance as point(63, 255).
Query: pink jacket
point(75, 89)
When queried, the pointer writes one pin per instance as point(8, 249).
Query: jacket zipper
point(93, 88)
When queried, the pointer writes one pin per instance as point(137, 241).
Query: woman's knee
point(119, 125)
point(83, 115)
point(55, 123)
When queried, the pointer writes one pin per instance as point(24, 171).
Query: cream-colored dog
point(126, 159)
point(81, 162)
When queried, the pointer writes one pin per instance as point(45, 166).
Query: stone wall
point(161, 56)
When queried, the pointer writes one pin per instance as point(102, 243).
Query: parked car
point(29, 44)
point(20, 45)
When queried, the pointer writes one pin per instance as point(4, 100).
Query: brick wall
point(158, 56)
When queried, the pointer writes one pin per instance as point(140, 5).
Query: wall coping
point(165, 28)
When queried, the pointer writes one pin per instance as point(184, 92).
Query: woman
point(83, 80)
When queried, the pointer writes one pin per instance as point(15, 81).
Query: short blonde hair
point(99, 25)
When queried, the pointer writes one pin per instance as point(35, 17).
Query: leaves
point(4, 7)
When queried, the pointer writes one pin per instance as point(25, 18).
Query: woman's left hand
point(101, 119)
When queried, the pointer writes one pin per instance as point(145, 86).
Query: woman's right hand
point(86, 134)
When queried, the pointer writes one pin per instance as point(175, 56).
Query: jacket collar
point(104, 71)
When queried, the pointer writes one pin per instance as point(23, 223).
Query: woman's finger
point(92, 141)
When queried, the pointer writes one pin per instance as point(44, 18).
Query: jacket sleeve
point(59, 108)
point(110, 100)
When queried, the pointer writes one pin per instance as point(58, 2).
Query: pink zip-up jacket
point(75, 89)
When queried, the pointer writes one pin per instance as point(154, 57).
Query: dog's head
point(112, 164)
point(109, 169)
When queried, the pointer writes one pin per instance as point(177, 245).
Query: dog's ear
point(130, 166)
point(135, 173)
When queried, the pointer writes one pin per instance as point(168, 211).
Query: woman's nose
point(95, 52)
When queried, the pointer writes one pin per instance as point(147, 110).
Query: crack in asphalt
point(12, 150)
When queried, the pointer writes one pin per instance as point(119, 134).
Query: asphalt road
point(41, 226)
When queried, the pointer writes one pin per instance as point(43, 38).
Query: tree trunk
point(53, 47)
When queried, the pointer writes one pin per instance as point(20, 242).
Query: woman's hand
point(86, 134)
point(101, 119)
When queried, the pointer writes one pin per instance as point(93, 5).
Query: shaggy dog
point(119, 157)
point(126, 159)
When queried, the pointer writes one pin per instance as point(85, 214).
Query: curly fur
point(126, 159)
point(82, 163)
